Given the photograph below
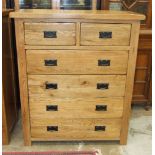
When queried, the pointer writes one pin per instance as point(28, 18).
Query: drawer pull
point(103, 62)
point(50, 62)
point(50, 34)
point(102, 86)
point(101, 107)
point(51, 86)
point(100, 128)
point(105, 35)
point(51, 108)
point(52, 128)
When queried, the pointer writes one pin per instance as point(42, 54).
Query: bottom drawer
point(75, 129)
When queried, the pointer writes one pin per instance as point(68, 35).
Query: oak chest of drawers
point(76, 72)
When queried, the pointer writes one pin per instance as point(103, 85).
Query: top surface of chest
point(77, 14)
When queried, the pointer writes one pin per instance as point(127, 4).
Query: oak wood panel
point(90, 34)
point(79, 86)
point(76, 129)
point(77, 14)
point(130, 81)
point(78, 34)
point(19, 28)
point(65, 33)
point(74, 20)
point(76, 108)
point(100, 48)
point(82, 62)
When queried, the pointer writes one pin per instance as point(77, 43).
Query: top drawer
point(50, 34)
point(105, 34)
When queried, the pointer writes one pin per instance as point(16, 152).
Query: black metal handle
point(52, 128)
point(50, 62)
point(102, 86)
point(105, 35)
point(50, 34)
point(100, 128)
point(51, 86)
point(101, 107)
point(51, 108)
point(103, 62)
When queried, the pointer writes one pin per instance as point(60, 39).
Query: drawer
point(70, 86)
point(76, 62)
point(76, 108)
point(105, 34)
point(75, 129)
point(50, 33)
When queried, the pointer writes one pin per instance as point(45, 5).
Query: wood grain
point(82, 62)
point(34, 33)
point(130, 82)
point(70, 86)
point(90, 34)
point(77, 14)
point(78, 34)
point(19, 27)
point(100, 48)
point(76, 108)
point(76, 129)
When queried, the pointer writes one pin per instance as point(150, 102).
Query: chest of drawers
point(76, 72)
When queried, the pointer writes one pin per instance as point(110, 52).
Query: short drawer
point(76, 108)
point(70, 86)
point(50, 34)
point(75, 129)
point(76, 62)
point(105, 34)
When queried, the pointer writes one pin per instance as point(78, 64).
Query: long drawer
point(50, 33)
point(79, 86)
point(76, 62)
point(76, 108)
point(105, 34)
point(75, 129)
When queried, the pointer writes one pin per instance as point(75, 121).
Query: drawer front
point(50, 33)
point(70, 86)
point(75, 129)
point(76, 62)
point(105, 34)
point(76, 108)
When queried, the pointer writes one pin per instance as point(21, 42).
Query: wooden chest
point(76, 72)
